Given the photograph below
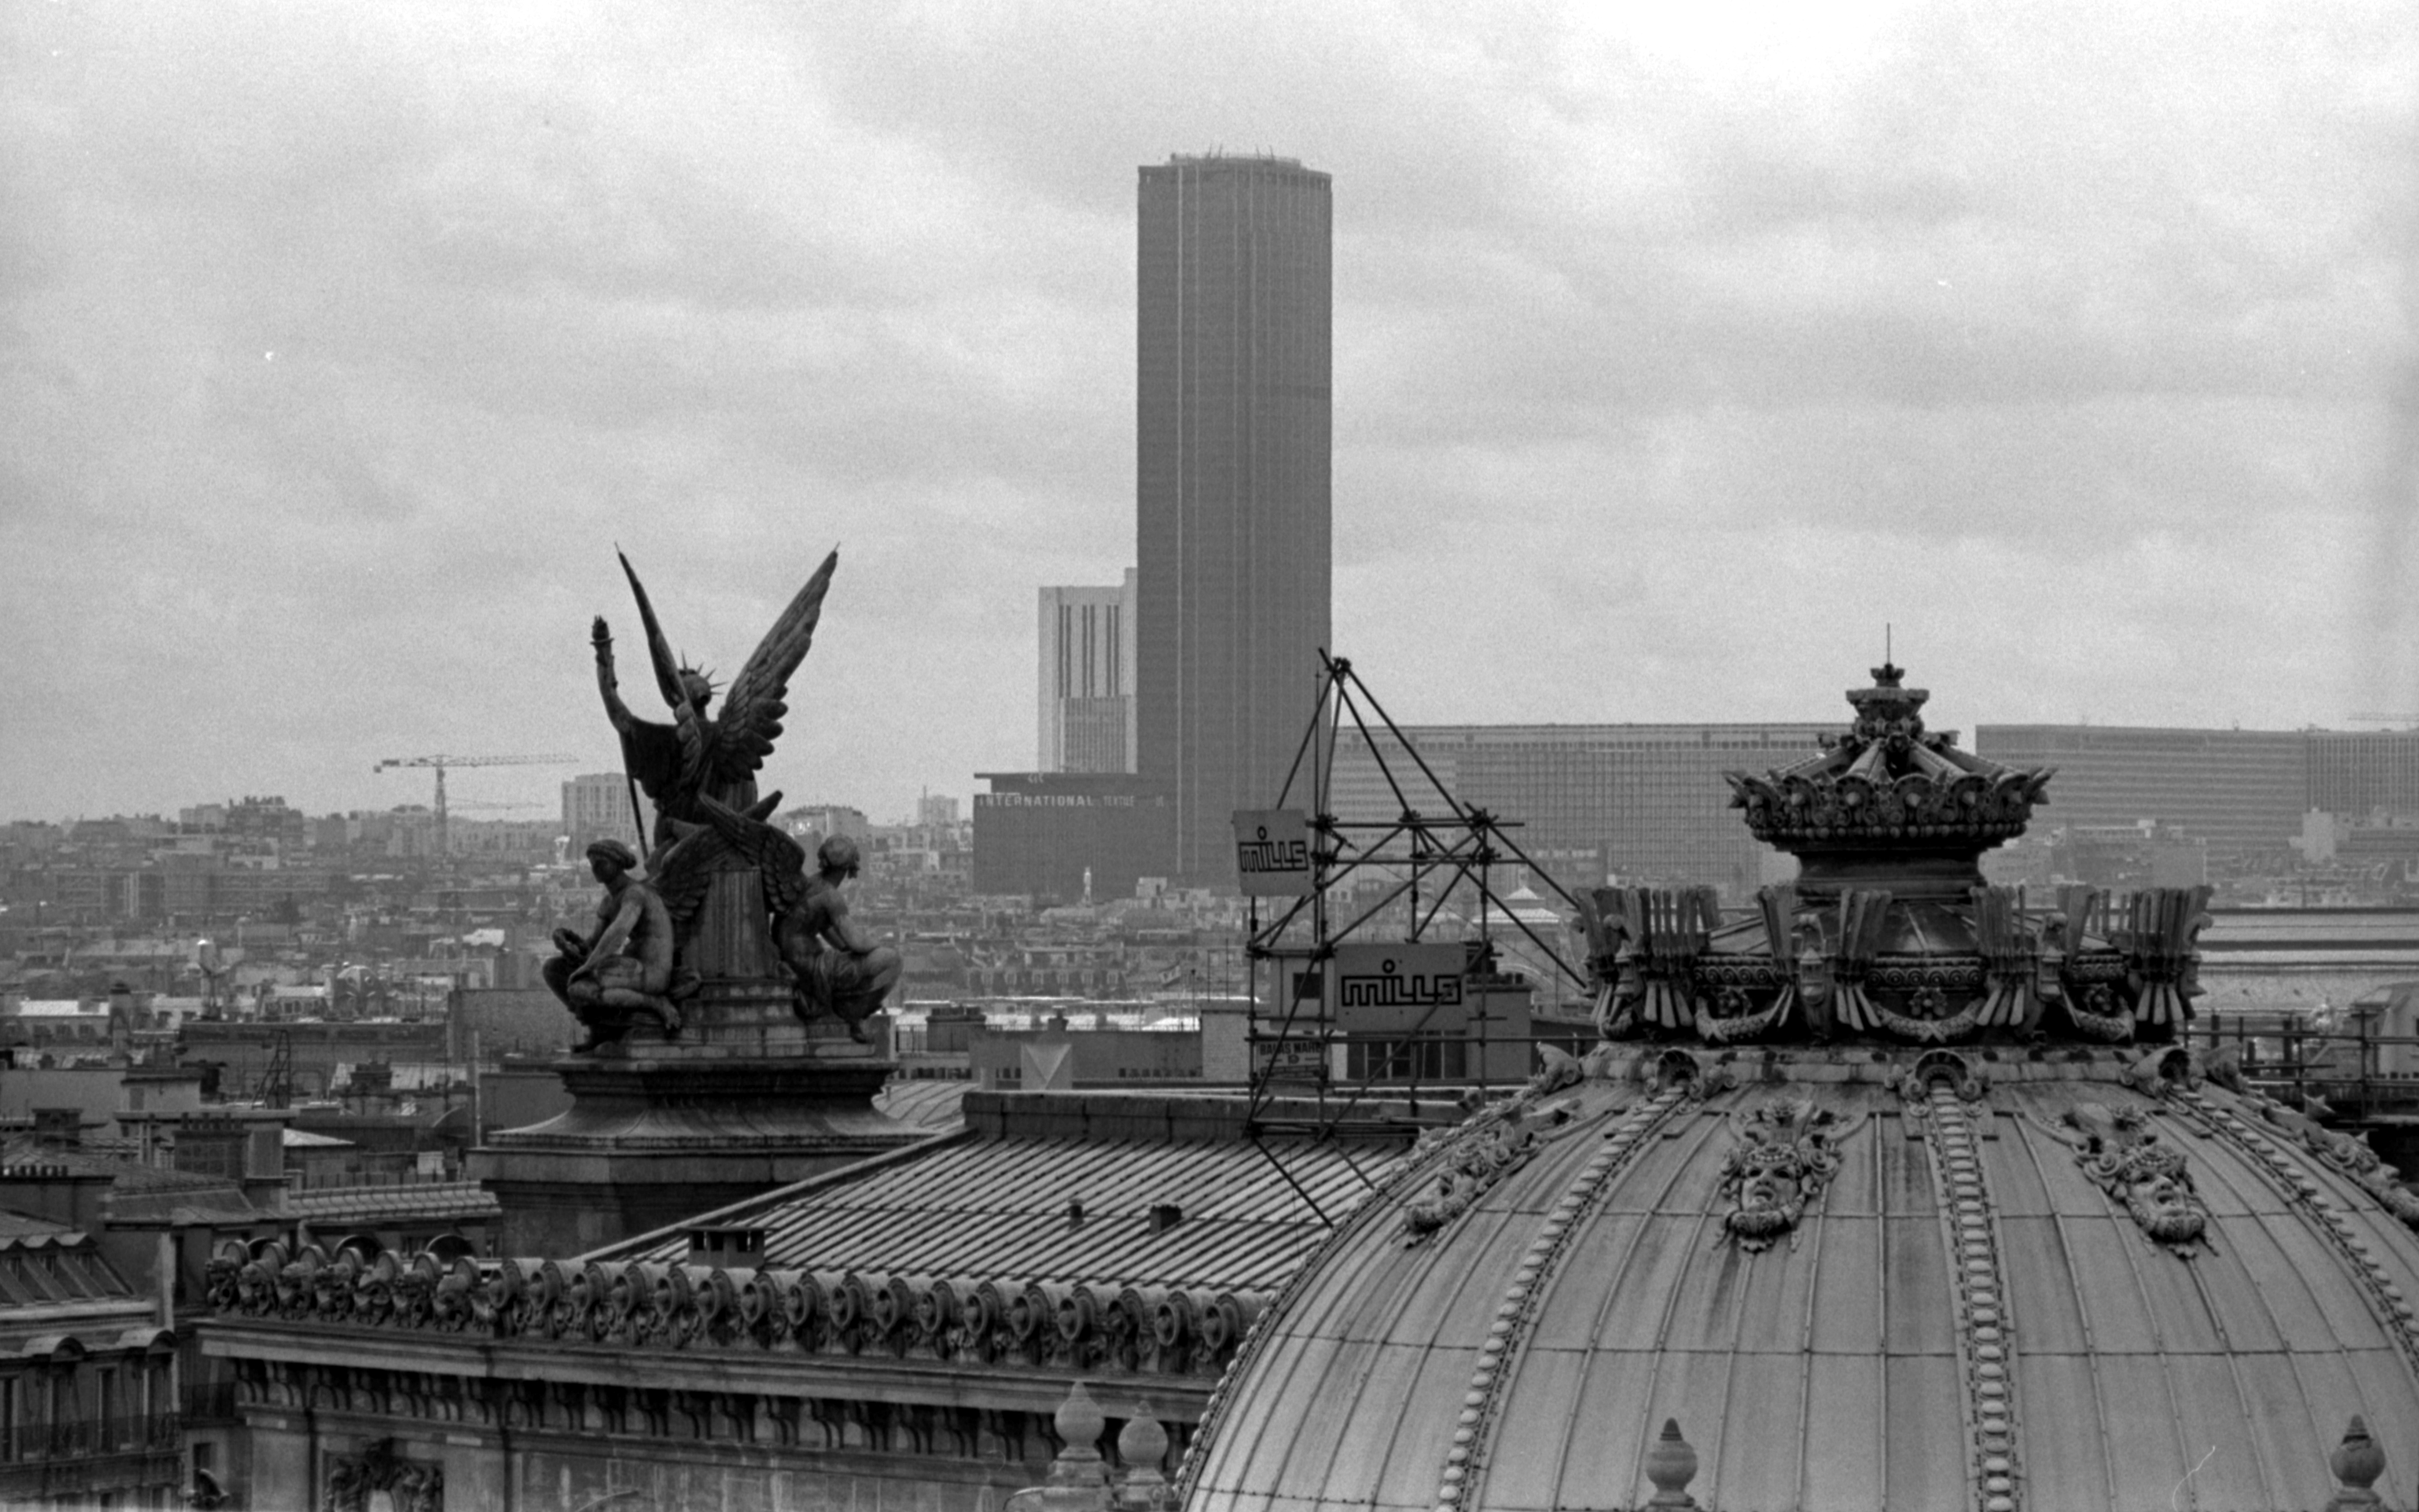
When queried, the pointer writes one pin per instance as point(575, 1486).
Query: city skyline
point(341, 350)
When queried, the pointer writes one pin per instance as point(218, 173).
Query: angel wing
point(780, 862)
point(659, 651)
point(752, 710)
point(683, 867)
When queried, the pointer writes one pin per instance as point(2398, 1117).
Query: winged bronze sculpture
point(701, 755)
point(712, 849)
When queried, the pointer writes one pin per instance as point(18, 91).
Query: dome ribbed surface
point(1975, 1307)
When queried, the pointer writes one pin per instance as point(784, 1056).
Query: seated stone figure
point(622, 970)
point(838, 967)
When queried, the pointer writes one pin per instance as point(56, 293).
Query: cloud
point(342, 344)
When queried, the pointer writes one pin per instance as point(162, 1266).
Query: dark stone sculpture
point(355, 1482)
point(702, 756)
point(623, 969)
point(838, 968)
point(729, 894)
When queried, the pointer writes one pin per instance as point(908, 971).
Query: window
point(1424, 1058)
point(108, 1435)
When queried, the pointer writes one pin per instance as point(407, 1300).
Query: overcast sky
point(1676, 351)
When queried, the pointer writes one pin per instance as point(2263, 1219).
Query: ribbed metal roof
point(1862, 1360)
point(1000, 1209)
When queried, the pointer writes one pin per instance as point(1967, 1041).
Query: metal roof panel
point(1841, 1458)
point(1926, 1398)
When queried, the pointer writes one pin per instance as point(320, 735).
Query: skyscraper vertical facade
point(1086, 679)
point(1233, 524)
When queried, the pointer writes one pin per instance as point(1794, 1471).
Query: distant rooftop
point(416, 1201)
point(1188, 160)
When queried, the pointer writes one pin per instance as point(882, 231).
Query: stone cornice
point(648, 1313)
point(788, 1375)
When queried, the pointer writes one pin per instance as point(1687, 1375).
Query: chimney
point(264, 1165)
point(731, 1248)
point(58, 1127)
point(56, 1195)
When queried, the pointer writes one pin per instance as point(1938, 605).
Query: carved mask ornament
point(2151, 1179)
point(1785, 1155)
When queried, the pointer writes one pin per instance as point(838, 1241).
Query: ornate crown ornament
point(1889, 782)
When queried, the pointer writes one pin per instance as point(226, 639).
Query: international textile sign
point(1393, 988)
point(1272, 852)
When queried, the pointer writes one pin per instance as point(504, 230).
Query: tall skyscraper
point(1086, 679)
point(1233, 534)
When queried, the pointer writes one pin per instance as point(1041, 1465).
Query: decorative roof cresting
point(1889, 933)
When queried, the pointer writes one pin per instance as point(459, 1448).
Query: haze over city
point(1673, 358)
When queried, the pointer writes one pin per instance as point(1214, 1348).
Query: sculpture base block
point(659, 1137)
point(744, 1020)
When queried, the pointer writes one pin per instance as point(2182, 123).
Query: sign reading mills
point(1272, 853)
point(1397, 987)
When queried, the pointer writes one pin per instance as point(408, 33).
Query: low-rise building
point(89, 1405)
point(898, 1331)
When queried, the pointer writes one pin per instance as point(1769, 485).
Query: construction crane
point(440, 762)
point(2406, 720)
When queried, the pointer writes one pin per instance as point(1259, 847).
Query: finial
point(1078, 1420)
point(2356, 1462)
point(1670, 1465)
point(1079, 1478)
point(1142, 1443)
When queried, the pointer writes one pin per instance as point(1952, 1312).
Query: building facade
point(1233, 533)
point(89, 1400)
point(896, 1335)
point(597, 805)
point(1085, 679)
point(1641, 802)
point(1048, 835)
point(2357, 773)
point(2243, 791)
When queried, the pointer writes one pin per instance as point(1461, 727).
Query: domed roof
point(1946, 1224)
point(1912, 1279)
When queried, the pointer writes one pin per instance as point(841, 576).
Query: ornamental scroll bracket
point(1484, 1149)
point(376, 1474)
point(2348, 1154)
point(1945, 1068)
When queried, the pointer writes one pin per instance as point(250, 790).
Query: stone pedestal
point(745, 1099)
